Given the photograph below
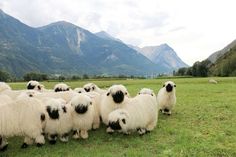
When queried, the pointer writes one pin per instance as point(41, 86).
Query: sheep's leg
point(84, 134)
point(3, 144)
point(96, 122)
point(167, 111)
point(40, 140)
point(151, 126)
point(75, 134)
point(27, 141)
point(109, 130)
point(52, 138)
point(64, 137)
point(141, 131)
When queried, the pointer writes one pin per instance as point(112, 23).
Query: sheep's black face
point(80, 109)
point(169, 87)
point(58, 90)
point(118, 97)
point(87, 89)
point(114, 125)
point(53, 114)
point(30, 86)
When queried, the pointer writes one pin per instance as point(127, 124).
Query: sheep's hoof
point(39, 144)
point(4, 148)
point(148, 131)
point(52, 142)
point(24, 145)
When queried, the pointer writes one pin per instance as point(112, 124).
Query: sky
point(193, 28)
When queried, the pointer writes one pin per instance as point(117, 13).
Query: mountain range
point(64, 48)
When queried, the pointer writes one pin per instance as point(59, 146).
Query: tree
point(85, 76)
point(4, 76)
point(35, 76)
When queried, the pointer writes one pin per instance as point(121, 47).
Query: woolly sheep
point(23, 117)
point(34, 85)
point(146, 91)
point(5, 99)
point(166, 98)
point(212, 81)
point(61, 87)
point(82, 115)
point(93, 87)
point(4, 86)
point(116, 97)
point(79, 90)
point(139, 114)
point(59, 120)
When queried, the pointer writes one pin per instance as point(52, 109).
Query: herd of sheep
point(38, 113)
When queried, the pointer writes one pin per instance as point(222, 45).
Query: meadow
point(202, 124)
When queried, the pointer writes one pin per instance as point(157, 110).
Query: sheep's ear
point(123, 120)
point(151, 94)
point(174, 85)
point(64, 109)
point(108, 93)
point(48, 109)
point(126, 93)
point(39, 87)
point(90, 103)
point(163, 85)
point(93, 87)
point(56, 90)
point(139, 93)
point(67, 89)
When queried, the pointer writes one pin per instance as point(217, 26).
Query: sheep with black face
point(89, 87)
point(166, 98)
point(140, 114)
point(82, 115)
point(61, 87)
point(79, 90)
point(22, 117)
point(59, 120)
point(116, 97)
point(34, 85)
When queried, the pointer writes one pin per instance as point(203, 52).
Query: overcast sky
point(193, 28)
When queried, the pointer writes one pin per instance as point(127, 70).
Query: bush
point(4, 76)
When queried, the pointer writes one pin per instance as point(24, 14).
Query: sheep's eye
point(108, 94)
point(93, 88)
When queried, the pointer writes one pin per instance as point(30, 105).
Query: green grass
point(203, 124)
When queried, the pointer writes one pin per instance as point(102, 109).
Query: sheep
point(59, 120)
point(61, 87)
point(5, 99)
point(23, 117)
point(34, 85)
point(93, 87)
point(82, 115)
point(27, 93)
point(212, 81)
point(67, 95)
point(139, 114)
point(146, 91)
point(4, 86)
point(79, 90)
point(116, 97)
point(166, 98)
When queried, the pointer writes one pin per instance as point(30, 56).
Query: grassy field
point(203, 124)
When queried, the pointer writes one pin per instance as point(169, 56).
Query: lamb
point(79, 90)
point(166, 98)
point(82, 115)
point(61, 87)
point(146, 91)
point(116, 97)
point(23, 117)
point(59, 120)
point(93, 87)
point(139, 114)
point(35, 85)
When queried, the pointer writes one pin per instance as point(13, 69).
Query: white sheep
point(59, 120)
point(139, 114)
point(212, 81)
point(4, 86)
point(23, 117)
point(146, 91)
point(89, 87)
point(61, 87)
point(27, 93)
point(35, 85)
point(79, 90)
point(166, 98)
point(5, 99)
point(82, 115)
point(116, 97)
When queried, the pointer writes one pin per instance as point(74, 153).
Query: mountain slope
point(163, 55)
point(65, 48)
point(213, 57)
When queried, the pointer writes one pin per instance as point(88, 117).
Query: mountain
point(163, 55)
point(225, 63)
point(64, 48)
point(213, 57)
point(105, 35)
